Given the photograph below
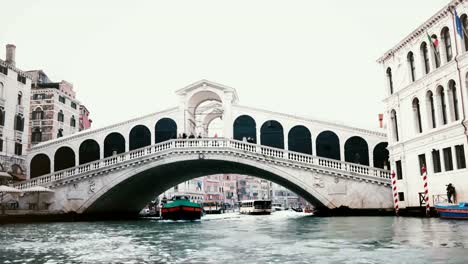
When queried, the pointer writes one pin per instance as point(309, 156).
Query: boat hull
point(452, 211)
point(181, 213)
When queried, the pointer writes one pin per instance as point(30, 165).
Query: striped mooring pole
point(395, 193)
point(426, 190)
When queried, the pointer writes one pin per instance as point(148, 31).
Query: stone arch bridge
point(121, 167)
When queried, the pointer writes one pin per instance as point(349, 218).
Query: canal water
point(283, 237)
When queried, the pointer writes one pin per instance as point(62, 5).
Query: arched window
point(245, 127)
point(464, 21)
point(435, 50)
point(411, 67)
point(2, 116)
point(452, 93)
point(425, 58)
point(19, 123)
point(20, 98)
point(328, 145)
point(381, 155)
point(442, 106)
point(271, 134)
point(393, 117)
point(417, 115)
point(60, 116)
point(447, 43)
point(431, 109)
point(1, 90)
point(64, 158)
point(38, 114)
point(72, 121)
point(36, 136)
point(300, 140)
point(40, 165)
point(390, 80)
point(114, 144)
point(140, 136)
point(89, 151)
point(165, 129)
point(357, 151)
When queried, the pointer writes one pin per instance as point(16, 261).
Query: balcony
point(18, 136)
point(20, 109)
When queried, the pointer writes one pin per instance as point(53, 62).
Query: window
point(62, 99)
point(390, 80)
point(410, 58)
point(435, 49)
point(3, 69)
point(60, 116)
point(60, 133)
point(464, 21)
point(447, 43)
point(448, 162)
point(401, 196)
point(422, 162)
point(393, 117)
point(21, 79)
point(443, 107)
point(2, 116)
point(38, 114)
point(425, 57)
point(460, 156)
point(73, 105)
point(38, 96)
point(430, 103)
point(417, 115)
point(1, 90)
point(18, 149)
point(1, 144)
point(436, 161)
point(36, 136)
point(399, 170)
point(19, 123)
point(20, 98)
point(453, 99)
point(72, 121)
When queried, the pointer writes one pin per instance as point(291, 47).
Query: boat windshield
point(262, 204)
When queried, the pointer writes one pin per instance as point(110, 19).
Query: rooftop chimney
point(10, 54)
point(381, 120)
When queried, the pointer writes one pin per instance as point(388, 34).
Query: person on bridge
point(184, 135)
point(199, 135)
point(191, 135)
point(450, 193)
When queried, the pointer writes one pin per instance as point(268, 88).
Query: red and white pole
point(395, 193)
point(426, 190)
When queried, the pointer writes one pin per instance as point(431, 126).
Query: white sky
point(126, 59)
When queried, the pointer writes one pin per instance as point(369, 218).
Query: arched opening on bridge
point(89, 151)
point(300, 140)
point(114, 144)
point(140, 136)
point(357, 151)
point(64, 158)
point(381, 155)
point(214, 126)
point(245, 127)
point(40, 165)
point(328, 145)
point(165, 129)
point(203, 108)
point(271, 134)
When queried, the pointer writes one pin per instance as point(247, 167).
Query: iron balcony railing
point(202, 146)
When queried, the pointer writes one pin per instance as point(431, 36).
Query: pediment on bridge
point(205, 84)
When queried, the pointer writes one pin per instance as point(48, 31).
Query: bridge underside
point(131, 195)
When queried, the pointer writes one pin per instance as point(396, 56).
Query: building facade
point(283, 196)
point(426, 107)
point(55, 112)
point(85, 121)
point(15, 89)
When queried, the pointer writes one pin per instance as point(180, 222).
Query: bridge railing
point(214, 143)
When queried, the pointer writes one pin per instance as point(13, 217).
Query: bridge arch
point(40, 165)
point(114, 143)
point(64, 158)
point(165, 129)
point(381, 156)
point(140, 136)
point(89, 151)
point(271, 134)
point(153, 178)
point(245, 126)
point(300, 139)
point(357, 151)
point(328, 145)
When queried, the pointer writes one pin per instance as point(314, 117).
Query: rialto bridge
point(119, 168)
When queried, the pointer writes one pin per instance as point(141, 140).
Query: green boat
point(181, 208)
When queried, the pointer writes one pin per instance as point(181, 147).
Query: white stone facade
point(426, 107)
point(15, 89)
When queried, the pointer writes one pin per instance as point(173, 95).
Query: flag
point(459, 25)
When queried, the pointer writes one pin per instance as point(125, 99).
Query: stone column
point(227, 115)
point(371, 157)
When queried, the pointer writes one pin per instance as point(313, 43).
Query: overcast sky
point(126, 59)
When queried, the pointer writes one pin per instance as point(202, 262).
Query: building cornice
point(362, 130)
point(13, 68)
point(421, 29)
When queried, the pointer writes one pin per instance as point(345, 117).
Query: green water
point(284, 237)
